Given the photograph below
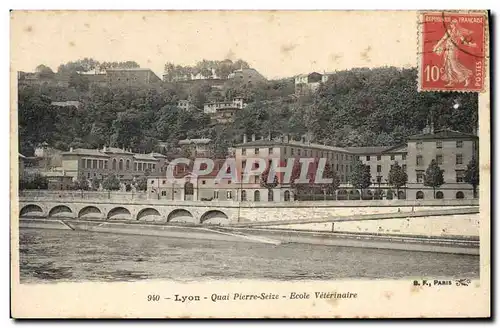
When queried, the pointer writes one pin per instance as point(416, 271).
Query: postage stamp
point(244, 164)
point(452, 51)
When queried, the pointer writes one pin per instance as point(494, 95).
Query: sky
point(276, 43)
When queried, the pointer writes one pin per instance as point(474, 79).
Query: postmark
point(452, 51)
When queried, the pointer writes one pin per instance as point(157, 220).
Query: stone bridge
point(185, 212)
point(115, 206)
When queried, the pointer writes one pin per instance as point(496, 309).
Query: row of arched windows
point(270, 196)
point(119, 165)
point(440, 195)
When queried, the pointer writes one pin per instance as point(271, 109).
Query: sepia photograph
point(250, 164)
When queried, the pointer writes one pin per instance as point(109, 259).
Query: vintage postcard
point(250, 164)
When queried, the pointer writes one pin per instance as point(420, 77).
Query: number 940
point(153, 298)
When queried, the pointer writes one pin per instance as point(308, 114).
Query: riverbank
point(271, 236)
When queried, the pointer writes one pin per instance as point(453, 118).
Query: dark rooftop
point(443, 134)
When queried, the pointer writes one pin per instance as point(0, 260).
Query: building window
point(164, 182)
point(114, 164)
point(216, 194)
point(420, 176)
point(298, 152)
point(94, 163)
point(243, 195)
point(154, 166)
point(89, 163)
point(88, 175)
point(120, 165)
point(229, 195)
point(403, 157)
point(270, 195)
point(243, 165)
point(149, 166)
point(257, 151)
point(164, 193)
point(271, 150)
point(127, 165)
point(420, 145)
point(459, 159)
point(420, 160)
point(460, 174)
point(439, 195)
point(106, 164)
point(393, 157)
point(379, 157)
point(140, 166)
point(287, 196)
point(439, 144)
point(357, 157)
point(284, 150)
point(337, 167)
point(379, 179)
point(83, 163)
point(439, 159)
point(460, 144)
point(256, 196)
point(152, 181)
point(256, 179)
point(367, 158)
point(404, 167)
point(203, 182)
point(101, 164)
point(459, 195)
point(291, 151)
point(379, 168)
point(420, 195)
point(243, 151)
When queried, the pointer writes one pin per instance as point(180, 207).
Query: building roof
point(158, 155)
point(115, 150)
point(443, 134)
point(84, 151)
point(148, 157)
point(269, 143)
point(195, 141)
point(368, 150)
point(129, 69)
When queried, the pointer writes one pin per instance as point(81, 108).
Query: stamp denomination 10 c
point(452, 51)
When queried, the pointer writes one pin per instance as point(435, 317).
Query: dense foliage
point(359, 107)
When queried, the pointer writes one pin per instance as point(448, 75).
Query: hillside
point(359, 107)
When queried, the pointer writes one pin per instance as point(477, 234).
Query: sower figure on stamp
point(454, 71)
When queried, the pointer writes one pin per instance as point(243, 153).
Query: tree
point(433, 176)
point(360, 176)
point(35, 181)
point(96, 183)
point(397, 177)
point(82, 183)
point(264, 177)
point(330, 173)
point(142, 184)
point(44, 72)
point(111, 183)
point(128, 187)
point(472, 175)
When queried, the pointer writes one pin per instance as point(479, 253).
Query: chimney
point(281, 138)
point(70, 149)
point(104, 148)
point(253, 137)
point(269, 136)
point(245, 138)
point(286, 138)
point(432, 127)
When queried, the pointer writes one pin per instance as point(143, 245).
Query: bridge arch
point(31, 210)
point(119, 213)
point(90, 212)
point(181, 215)
point(214, 217)
point(148, 214)
point(60, 210)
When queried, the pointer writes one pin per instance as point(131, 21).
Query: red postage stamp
point(452, 51)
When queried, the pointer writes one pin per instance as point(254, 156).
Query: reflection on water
point(60, 255)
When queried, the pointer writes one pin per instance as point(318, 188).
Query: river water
point(60, 255)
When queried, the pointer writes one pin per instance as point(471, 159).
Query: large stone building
point(131, 76)
point(452, 151)
point(247, 76)
point(309, 83)
point(100, 163)
point(224, 111)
